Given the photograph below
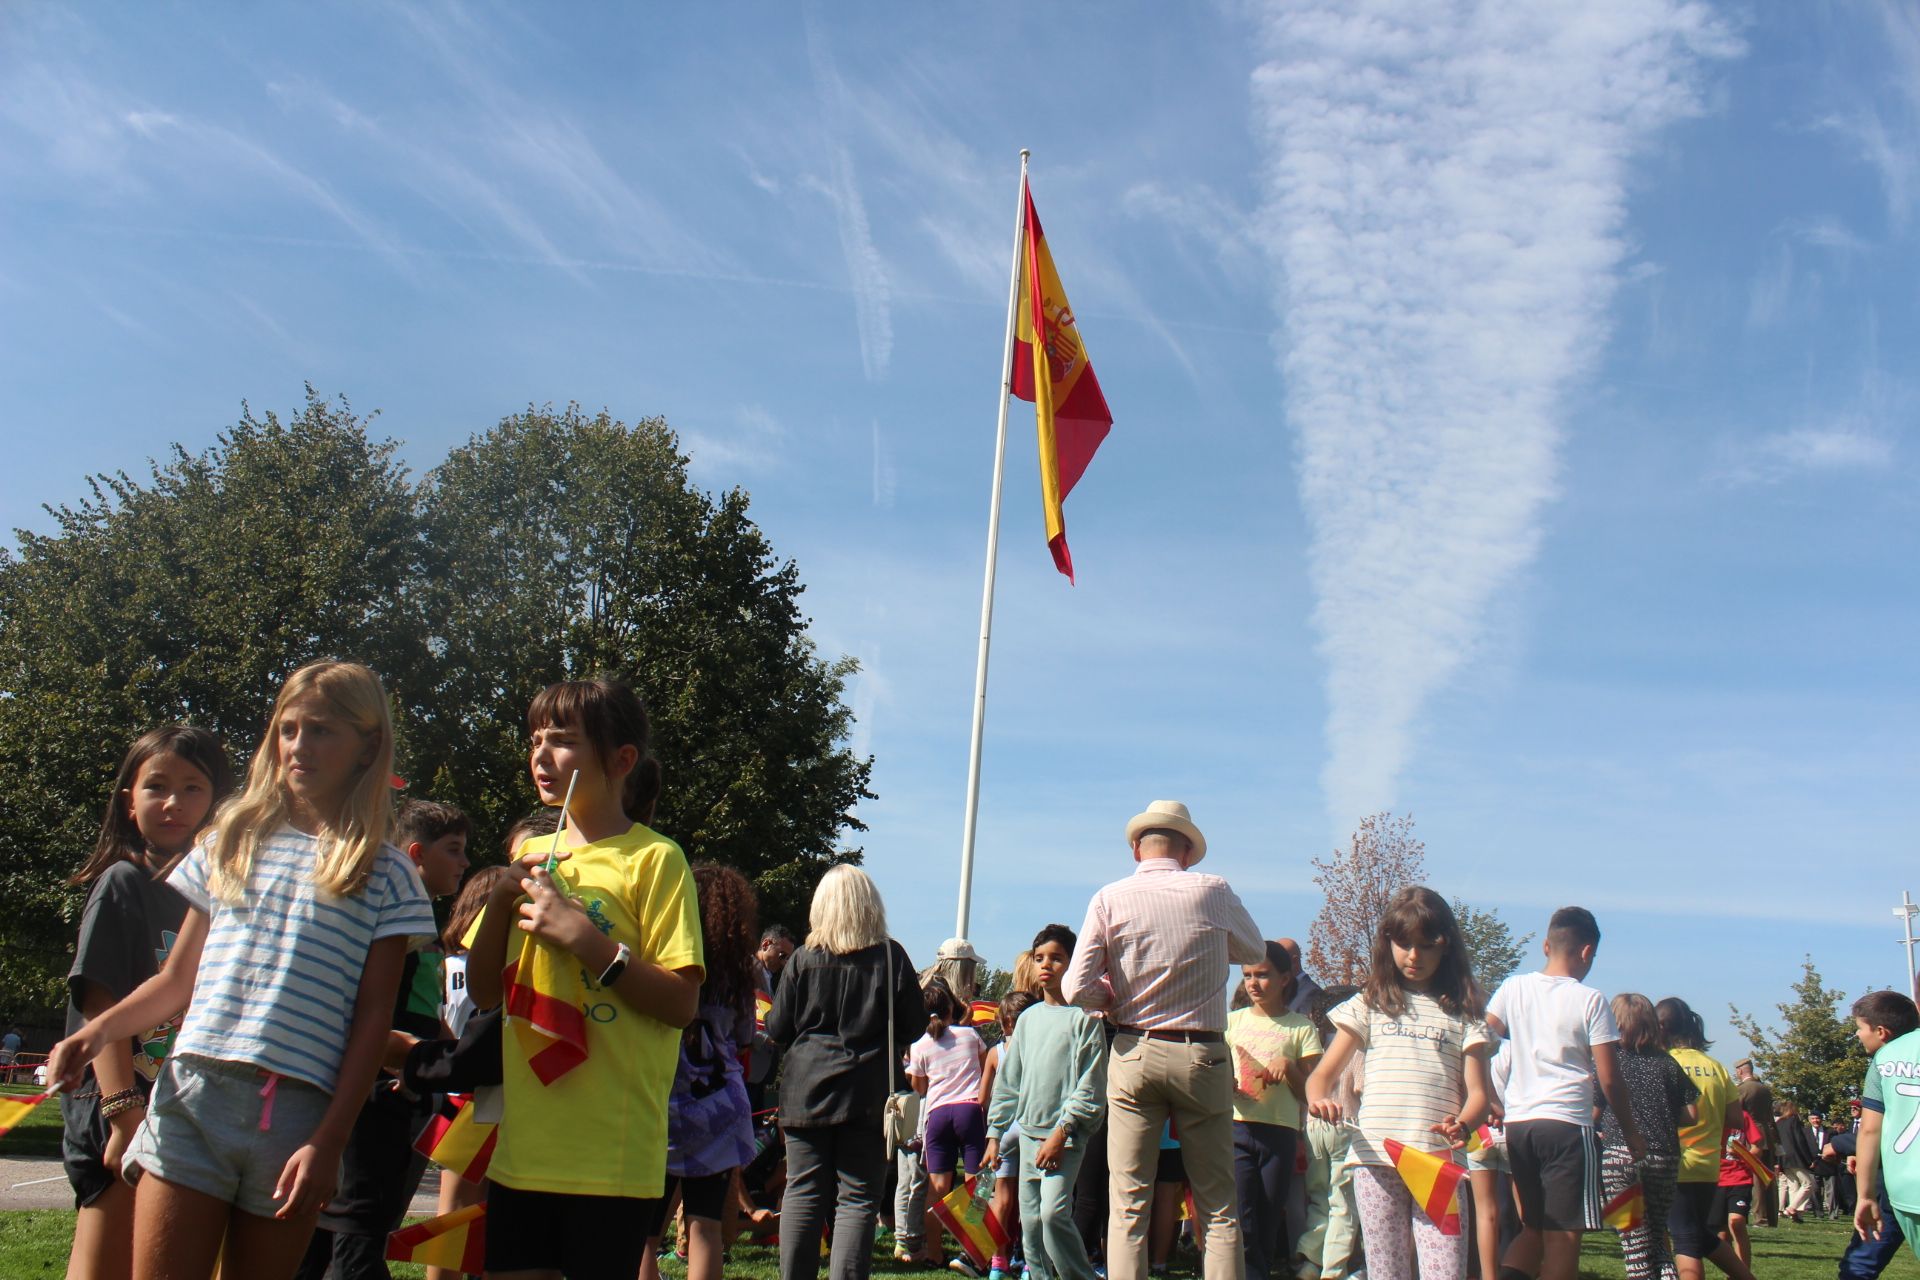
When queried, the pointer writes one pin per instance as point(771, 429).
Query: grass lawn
point(34, 1243)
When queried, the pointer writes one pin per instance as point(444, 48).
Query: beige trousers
point(1148, 1083)
point(1796, 1190)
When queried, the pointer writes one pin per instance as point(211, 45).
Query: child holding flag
point(607, 970)
point(1052, 1084)
point(1419, 1020)
point(1274, 1051)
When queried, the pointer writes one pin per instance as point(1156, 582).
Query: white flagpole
point(993, 556)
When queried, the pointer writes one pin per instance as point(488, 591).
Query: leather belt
point(1176, 1035)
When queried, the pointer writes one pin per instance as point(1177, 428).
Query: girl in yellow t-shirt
point(614, 929)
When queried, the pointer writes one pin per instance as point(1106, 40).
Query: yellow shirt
point(1252, 1034)
point(1701, 1141)
point(601, 1129)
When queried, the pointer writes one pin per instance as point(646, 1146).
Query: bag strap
point(892, 1055)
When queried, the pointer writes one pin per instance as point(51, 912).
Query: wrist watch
point(622, 957)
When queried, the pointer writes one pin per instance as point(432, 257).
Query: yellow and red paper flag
point(454, 1140)
point(457, 1241)
point(762, 1006)
point(1246, 1073)
point(1051, 369)
point(972, 1222)
point(981, 1013)
point(1626, 1211)
point(1739, 1150)
point(1433, 1180)
point(545, 994)
point(1480, 1139)
point(14, 1110)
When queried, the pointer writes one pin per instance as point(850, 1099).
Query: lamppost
point(1907, 909)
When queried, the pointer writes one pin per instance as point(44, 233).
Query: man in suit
point(1797, 1154)
point(1304, 988)
point(1757, 1099)
point(1820, 1133)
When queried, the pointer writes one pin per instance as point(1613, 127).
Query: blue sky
point(1514, 404)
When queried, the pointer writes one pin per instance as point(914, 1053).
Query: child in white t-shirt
point(1563, 1038)
point(945, 1066)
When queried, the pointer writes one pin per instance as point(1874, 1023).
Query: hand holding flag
point(1432, 1179)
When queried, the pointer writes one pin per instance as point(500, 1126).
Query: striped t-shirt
point(1416, 1072)
point(280, 970)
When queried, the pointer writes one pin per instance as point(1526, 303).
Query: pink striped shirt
point(1155, 949)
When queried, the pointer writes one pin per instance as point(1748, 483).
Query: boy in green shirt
point(1889, 1028)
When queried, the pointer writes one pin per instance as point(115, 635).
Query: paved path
point(40, 1183)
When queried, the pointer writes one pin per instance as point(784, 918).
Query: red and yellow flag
point(1433, 1180)
point(1626, 1211)
point(457, 1241)
point(14, 1110)
point(981, 1013)
point(545, 994)
point(454, 1140)
point(1739, 1150)
point(972, 1222)
point(1050, 368)
point(762, 1006)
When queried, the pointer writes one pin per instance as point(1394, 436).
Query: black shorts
point(703, 1197)
point(1556, 1174)
point(1728, 1201)
point(582, 1237)
point(1172, 1166)
point(1691, 1220)
point(83, 1146)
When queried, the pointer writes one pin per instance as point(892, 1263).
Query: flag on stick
point(981, 1013)
point(1739, 1150)
point(14, 1110)
point(1051, 369)
point(1480, 1139)
point(1626, 1211)
point(546, 996)
point(454, 1140)
point(1432, 1179)
point(457, 1241)
point(972, 1222)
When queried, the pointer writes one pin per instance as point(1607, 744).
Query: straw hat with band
point(1168, 815)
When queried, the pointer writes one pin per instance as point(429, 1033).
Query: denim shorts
point(226, 1129)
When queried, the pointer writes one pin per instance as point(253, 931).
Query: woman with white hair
point(843, 1039)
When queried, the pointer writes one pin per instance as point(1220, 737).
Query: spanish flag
point(1480, 1139)
point(454, 1140)
point(1432, 1179)
point(457, 1241)
point(545, 997)
point(981, 1013)
point(972, 1222)
point(762, 1006)
point(14, 1110)
point(1739, 1150)
point(1626, 1211)
point(1050, 368)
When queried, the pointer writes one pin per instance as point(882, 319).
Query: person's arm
point(1301, 1064)
point(1244, 943)
point(1325, 1079)
point(1003, 1101)
point(113, 1069)
point(154, 1001)
point(671, 996)
point(1866, 1171)
point(1606, 1069)
point(312, 1174)
point(987, 1074)
point(487, 957)
point(1085, 983)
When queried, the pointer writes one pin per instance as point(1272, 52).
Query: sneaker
point(963, 1265)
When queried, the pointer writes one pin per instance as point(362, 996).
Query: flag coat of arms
point(1050, 368)
point(1433, 1181)
point(457, 1241)
point(972, 1222)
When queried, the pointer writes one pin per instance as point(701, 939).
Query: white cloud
point(866, 269)
point(1826, 448)
point(1880, 118)
point(1445, 196)
point(753, 441)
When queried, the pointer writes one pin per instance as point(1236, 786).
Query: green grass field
point(34, 1244)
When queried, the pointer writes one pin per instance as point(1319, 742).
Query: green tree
point(1812, 1056)
point(187, 596)
point(1495, 952)
point(1359, 881)
point(564, 546)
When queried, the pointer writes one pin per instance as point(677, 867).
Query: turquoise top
point(1053, 1073)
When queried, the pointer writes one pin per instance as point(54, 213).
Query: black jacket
point(830, 1015)
point(1796, 1144)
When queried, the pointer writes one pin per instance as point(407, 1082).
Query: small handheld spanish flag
point(762, 1006)
point(1739, 1150)
point(14, 1110)
point(1432, 1179)
point(972, 1222)
point(454, 1140)
point(1480, 1139)
point(1626, 1211)
point(457, 1241)
point(981, 1013)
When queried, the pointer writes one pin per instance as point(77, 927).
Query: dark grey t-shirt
point(127, 929)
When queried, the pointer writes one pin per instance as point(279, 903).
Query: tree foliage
point(1358, 882)
point(1491, 944)
point(1812, 1055)
point(556, 545)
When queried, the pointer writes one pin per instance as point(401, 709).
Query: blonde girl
point(288, 961)
point(166, 789)
point(1421, 1020)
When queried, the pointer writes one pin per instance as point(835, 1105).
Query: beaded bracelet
point(125, 1100)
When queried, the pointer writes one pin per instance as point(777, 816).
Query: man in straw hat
point(1154, 954)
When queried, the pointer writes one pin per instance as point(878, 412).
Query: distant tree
point(1812, 1057)
point(1496, 953)
point(1358, 883)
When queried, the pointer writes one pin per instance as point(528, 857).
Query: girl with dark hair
point(946, 1066)
point(168, 785)
point(710, 1126)
point(1274, 1051)
point(1691, 1222)
point(1663, 1101)
point(1420, 1020)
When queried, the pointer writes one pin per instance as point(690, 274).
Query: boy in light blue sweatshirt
point(1052, 1082)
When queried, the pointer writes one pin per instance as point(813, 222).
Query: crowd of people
point(266, 1015)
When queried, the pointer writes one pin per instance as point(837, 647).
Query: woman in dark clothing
point(843, 1042)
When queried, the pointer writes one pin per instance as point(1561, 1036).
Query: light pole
point(1907, 909)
